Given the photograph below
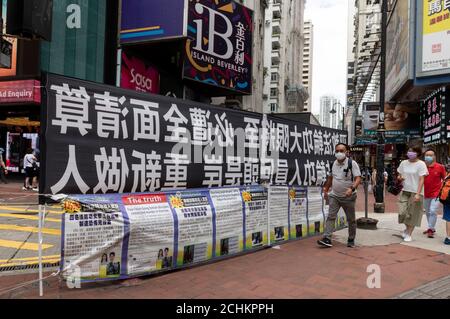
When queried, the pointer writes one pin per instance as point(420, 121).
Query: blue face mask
point(429, 159)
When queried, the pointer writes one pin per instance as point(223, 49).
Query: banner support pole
point(41, 213)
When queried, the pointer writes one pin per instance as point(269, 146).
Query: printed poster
point(93, 238)
point(298, 212)
point(256, 216)
point(279, 213)
point(151, 239)
point(315, 215)
point(195, 226)
point(229, 220)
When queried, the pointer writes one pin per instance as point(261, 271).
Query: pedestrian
point(375, 182)
point(344, 180)
point(433, 183)
point(29, 165)
point(446, 216)
point(3, 169)
point(412, 173)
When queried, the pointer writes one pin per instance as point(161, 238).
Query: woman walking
point(412, 173)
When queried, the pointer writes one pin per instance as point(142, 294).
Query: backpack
point(444, 194)
point(349, 168)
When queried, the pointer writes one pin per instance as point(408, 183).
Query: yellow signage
point(436, 16)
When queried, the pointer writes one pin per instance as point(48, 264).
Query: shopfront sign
point(432, 111)
point(26, 91)
point(136, 75)
point(433, 45)
point(219, 45)
point(150, 20)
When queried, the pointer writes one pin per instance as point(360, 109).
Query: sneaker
point(408, 238)
point(447, 241)
point(429, 230)
point(351, 243)
point(325, 242)
point(24, 188)
point(404, 234)
point(430, 233)
point(36, 189)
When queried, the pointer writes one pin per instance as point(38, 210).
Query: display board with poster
point(279, 213)
point(316, 219)
point(370, 118)
point(402, 119)
point(298, 212)
point(115, 236)
point(255, 201)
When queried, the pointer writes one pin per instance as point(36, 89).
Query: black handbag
point(395, 188)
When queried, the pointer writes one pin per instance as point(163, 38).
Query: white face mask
point(340, 156)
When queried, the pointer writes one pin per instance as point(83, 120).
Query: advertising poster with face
point(256, 216)
point(298, 212)
point(229, 220)
point(93, 233)
point(151, 233)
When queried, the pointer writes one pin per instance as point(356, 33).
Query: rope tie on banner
point(28, 283)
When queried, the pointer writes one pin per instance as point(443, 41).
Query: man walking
point(433, 183)
point(344, 180)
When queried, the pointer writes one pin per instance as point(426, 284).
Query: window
point(274, 77)
point(273, 92)
point(273, 107)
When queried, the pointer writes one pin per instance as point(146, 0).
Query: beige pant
point(410, 212)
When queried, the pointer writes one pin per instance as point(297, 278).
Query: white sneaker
point(36, 189)
point(404, 234)
point(408, 238)
point(24, 188)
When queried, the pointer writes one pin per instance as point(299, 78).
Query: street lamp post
point(379, 206)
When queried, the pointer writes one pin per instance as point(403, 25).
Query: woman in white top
point(29, 165)
point(412, 173)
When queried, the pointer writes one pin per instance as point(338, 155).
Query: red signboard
point(138, 76)
point(26, 91)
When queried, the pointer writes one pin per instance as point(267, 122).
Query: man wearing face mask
point(433, 183)
point(344, 180)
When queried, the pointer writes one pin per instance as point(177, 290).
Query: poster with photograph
point(151, 233)
point(298, 211)
point(315, 211)
point(256, 216)
point(402, 119)
point(92, 240)
point(279, 213)
point(195, 226)
point(229, 220)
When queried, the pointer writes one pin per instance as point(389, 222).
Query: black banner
point(103, 139)
point(432, 118)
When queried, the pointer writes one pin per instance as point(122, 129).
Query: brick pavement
point(298, 270)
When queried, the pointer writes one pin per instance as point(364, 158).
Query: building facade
point(283, 57)
point(308, 60)
point(330, 112)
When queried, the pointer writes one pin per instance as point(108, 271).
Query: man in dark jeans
point(344, 180)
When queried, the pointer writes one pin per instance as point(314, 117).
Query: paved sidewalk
point(439, 289)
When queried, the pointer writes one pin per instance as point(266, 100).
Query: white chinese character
point(108, 115)
point(233, 175)
point(297, 138)
point(335, 140)
point(146, 121)
point(175, 117)
point(251, 133)
point(110, 176)
point(251, 171)
point(267, 169)
point(72, 109)
point(239, 58)
point(310, 174)
point(224, 131)
point(328, 150)
point(71, 171)
point(240, 30)
point(434, 7)
point(308, 145)
point(200, 129)
point(176, 171)
point(296, 180)
point(213, 175)
point(148, 172)
point(321, 173)
point(318, 142)
point(282, 172)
